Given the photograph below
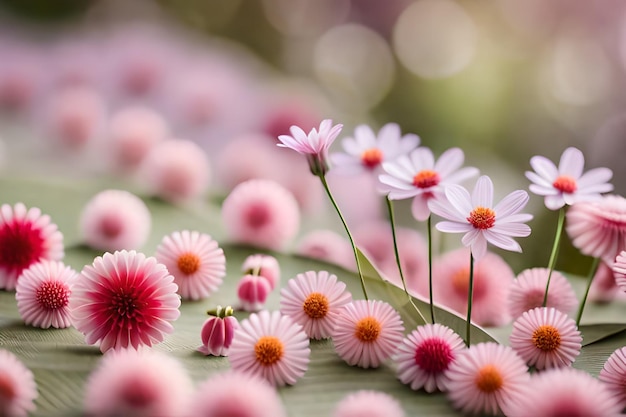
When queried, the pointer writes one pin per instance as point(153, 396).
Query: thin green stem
point(430, 270)
point(345, 225)
point(555, 251)
point(397, 254)
point(470, 295)
point(592, 273)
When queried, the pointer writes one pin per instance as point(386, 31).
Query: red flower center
point(482, 218)
point(372, 157)
point(52, 295)
point(489, 379)
point(20, 245)
point(433, 355)
point(139, 393)
point(111, 226)
point(460, 284)
point(126, 306)
point(565, 184)
point(258, 215)
point(426, 178)
point(7, 389)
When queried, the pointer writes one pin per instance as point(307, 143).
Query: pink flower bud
point(218, 331)
point(253, 291)
point(265, 266)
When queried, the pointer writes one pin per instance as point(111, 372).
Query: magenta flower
point(124, 300)
point(252, 291)
point(368, 403)
point(218, 331)
point(18, 388)
point(528, 289)
point(265, 266)
point(567, 184)
point(480, 220)
point(613, 374)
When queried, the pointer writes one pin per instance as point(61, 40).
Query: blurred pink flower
point(619, 269)
point(252, 291)
point(604, 289)
point(613, 374)
point(265, 266)
point(529, 287)
point(368, 403)
point(18, 386)
point(328, 246)
point(218, 332)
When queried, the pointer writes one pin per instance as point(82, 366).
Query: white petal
point(365, 137)
point(542, 191)
point(422, 158)
point(459, 199)
point(454, 227)
point(511, 204)
point(419, 208)
point(470, 237)
point(461, 175)
point(554, 202)
point(515, 218)
point(537, 179)
point(512, 229)
point(572, 163)
point(482, 196)
point(479, 247)
point(544, 167)
point(395, 182)
point(443, 208)
point(594, 177)
point(352, 147)
point(502, 241)
point(449, 161)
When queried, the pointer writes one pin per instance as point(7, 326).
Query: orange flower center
point(316, 305)
point(52, 295)
point(547, 338)
point(460, 284)
point(482, 218)
point(565, 184)
point(372, 157)
point(489, 379)
point(426, 178)
point(268, 350)
point(367, 329)
point(188, 263)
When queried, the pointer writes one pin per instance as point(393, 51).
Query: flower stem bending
point(470, 295)
point(592, 273)
point(555, 251)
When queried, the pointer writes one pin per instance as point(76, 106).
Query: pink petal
point(511, 204)
point(460, 199)
point(539, 180)
point(479, 247)
point(543, 191)
point(419, 208)
point(572, 163)
point(454, 227)
point(544, 167)
point(595, 176)
point(512, 229)
point(422, 158)
point(554, 202)
point(461, 175)
point(482, 196)
point(449, 161)
point(501, 241)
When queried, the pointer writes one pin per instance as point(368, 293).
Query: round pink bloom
point(176, 170)
point(418, 176)
point(43, 294)
point(195, 260)
point(261, 213)
point(567, 184)
point(138, 383)
point(481, 220)
point(272, 346)
point(528, 290)
point(265, 266)
point(368, 403)
point(328, 246)
point(492, 281)
point(123, 300)
point(486, 379)
point(115, 220)
point(26, 237)
point(598, 228)
point(367, 332)
point(619, 269)
point(18, 389)
point(546, 338)
point(314, 300)
point(218, 331)
point(252, 291)
point(604, 288)
point(565, 392)
point(613, 374)
point(425, 355)
point(233, 393)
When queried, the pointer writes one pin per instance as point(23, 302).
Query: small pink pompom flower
point(26, 237)
point(18, 389)
point(261, 213)
point(367, 332)
point(272, 346)
point(265, 266)
point(218, 331)
point(528, 290)
point(43, 294)
point(613, 374)
point(195, 260)
point(314, 300)
point(368, 403)
point(137, 383)
point(233, 393)
point(115, 220)
point(328, 246)
point(252, 291)
point(425, 355)
point(123, 300)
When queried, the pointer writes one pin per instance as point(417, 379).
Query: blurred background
point(502, 79)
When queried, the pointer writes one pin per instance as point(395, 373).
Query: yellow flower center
point(372, 157)
point(316, 305)
point(188, 263)
point(367, 329)
point(426, 178)
point(565, 184)
point(268, 350)
point(489, 379)
point(482, 218)
point(547, 338)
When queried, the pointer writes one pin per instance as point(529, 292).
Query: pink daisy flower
point(420, 177)
point(233, 393)
point(314, 300)
point(115, 220)
point(604, 288)
point(528, 290)
point(265, 266)
point(613, 374)
point(218, 331)
point(565, 392)
point(139, 383)
point(195, 260)
point(272, 346)
point(43, 294)
point(366, 151)
point(486, 378)
point(367, 332)
point(619, 269)
point(480, 220)
point(26, 237)
point(328, 246)
point(314, 145)
point(252, 291)
point(546, 338)
point(425, 355)
point(368, 403)
point(567, 184)
point(261, 213)
point(123, 300)
point(598, 228)
point(18, 389)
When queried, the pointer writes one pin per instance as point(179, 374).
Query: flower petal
point(454, 227)
point(511, 229)
point(595, 176)
point(482, 196)
point(449, 161)
point(511, 204)
point(554, 202)
point(502, 241)
point(419, 208)
point(572, 163)
point(443, 208)
point(544, 168)
point(460, 199)
point(479, 247)
point(422, 158)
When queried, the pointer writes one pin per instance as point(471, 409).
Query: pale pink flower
point(367, 332)
point(368, 403)
point(613, 374)
point(43, 294)
point(366, 151)
point(115, 220)
point(486, 379)
point(18, 388)
point(565, 392)
point(263, 265)
point(546, 338)
point(313, 145)
point(272, 346)
point(234, 393)
point(619, 269)
point(261, 213)
point(567, 184)
point(481, 220)
point(123, 300)
point(252, 291)
point(529, 287)
point(26, 237)
point(137, 383)
point(328, 246)
point(425, 355)
point(420, 177)
point(604, 289)
point(218, 331)
point(195, 260)
point(314, 300)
